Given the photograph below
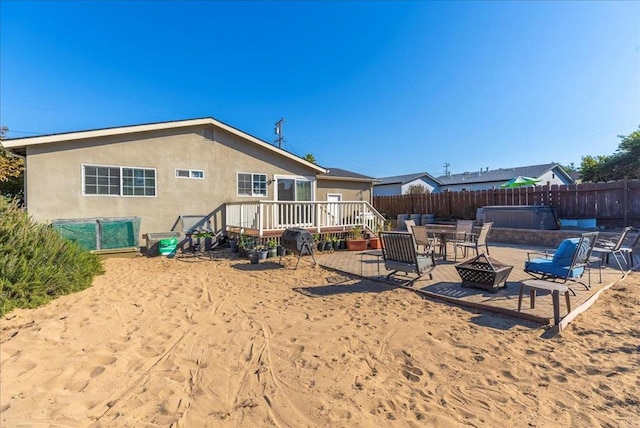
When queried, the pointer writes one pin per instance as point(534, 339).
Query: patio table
point(443, 234)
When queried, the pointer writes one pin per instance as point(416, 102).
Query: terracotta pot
point(356, 244)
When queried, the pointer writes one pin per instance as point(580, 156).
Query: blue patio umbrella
point(520, 181)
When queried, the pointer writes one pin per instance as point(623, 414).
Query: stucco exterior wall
point(54, 175)
point(350, 190)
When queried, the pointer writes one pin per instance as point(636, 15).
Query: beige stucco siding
point(54, 174)
point(350, 190)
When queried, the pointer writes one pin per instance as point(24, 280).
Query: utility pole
point(446, 168)
point(278, 131)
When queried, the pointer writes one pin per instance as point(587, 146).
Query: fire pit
point(484, 272)
point(298, 241)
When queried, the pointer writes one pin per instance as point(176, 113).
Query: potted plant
point(262, 252)
point(356, 242)
point(374, 240)
point(328, 244)
point(254, 256)
point(272, 251)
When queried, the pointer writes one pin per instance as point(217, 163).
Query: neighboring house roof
point(18, 145)
point(404, 179)
point(502, 174)
point(343, 174)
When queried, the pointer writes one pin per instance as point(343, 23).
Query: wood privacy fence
point(612, 204)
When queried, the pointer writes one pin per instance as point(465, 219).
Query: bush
point(36, 264)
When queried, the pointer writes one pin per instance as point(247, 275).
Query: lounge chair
point(606, 248)
point(567, 262)
point(400, 255)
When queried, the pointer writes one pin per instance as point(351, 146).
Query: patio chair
point(475, 241)
point(409, 224)
point(567, 263)
point(400, 255)
point(628, 251)
point(464, 231)
point(606, 248)
point(421, 235)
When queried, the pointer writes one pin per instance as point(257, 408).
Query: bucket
point(167, 246)
point(417, 219)
point(401, 219)
point(428, 219)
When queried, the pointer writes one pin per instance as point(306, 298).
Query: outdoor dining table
point(444, 234)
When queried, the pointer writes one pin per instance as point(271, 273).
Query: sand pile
point(159, 342)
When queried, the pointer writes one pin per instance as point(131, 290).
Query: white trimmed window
point(252, 184)
point(118, 181)
point(190, 173)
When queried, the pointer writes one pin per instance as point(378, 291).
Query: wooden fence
point(612, 204)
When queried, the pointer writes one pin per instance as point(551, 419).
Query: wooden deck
point(446, 284)
point(255, 233)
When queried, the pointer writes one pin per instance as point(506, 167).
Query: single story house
point(548, 174)
point(400, 184)
point(196, 167)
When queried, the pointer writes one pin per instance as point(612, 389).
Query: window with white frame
point(190, 173)
point(118, 181)
point(252, 184)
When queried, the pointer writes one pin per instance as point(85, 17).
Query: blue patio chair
point(567, 262)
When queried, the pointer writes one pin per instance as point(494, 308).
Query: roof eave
point(15, 145)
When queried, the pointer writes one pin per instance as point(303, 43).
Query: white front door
point(333, 210)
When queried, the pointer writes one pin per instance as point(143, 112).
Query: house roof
point(502, 174)
point(18, 145)
point(403, 179)
point(343, 174)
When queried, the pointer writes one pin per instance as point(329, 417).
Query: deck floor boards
point(446, 283)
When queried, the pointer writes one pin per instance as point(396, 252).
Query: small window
point(252, 184)
point(190, 173)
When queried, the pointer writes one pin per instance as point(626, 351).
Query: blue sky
point(379, 88)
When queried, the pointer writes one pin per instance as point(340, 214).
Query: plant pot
point(263, 254)
point(272, 252)
point(320, 246)
point(233, 245)
point(254, 256)
point(281, 251)
point(242, 252)
point(342, 245)
point(356, 244)
point(328, 246)
point(374, 243)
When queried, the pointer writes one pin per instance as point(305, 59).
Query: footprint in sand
point(411, 372)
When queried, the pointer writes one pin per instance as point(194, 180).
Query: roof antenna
point(446, 168)
point(278, 131)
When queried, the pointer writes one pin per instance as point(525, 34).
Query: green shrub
point(36, 264)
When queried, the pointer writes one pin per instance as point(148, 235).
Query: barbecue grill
point(298, 241)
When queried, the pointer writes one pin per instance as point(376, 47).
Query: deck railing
point(265, 216)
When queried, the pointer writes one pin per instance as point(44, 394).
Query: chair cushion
point(548, 268)
point(565, 252)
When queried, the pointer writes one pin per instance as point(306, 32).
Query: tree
point(11, 171)
point(625, 162)
point(309, 158)
point(417, 189)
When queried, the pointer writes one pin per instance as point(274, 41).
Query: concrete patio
point(446, 283)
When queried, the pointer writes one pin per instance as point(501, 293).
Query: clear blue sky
point(379, 88)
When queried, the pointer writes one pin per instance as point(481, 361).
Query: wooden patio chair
point(401, 255)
